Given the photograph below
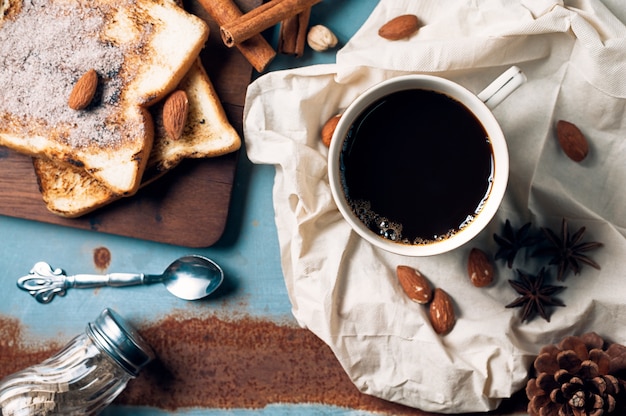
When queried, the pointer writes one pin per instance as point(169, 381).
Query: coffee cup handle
point(502, 87)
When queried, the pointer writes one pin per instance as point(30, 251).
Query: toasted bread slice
point(141, 49)
point(71, 192)
point(208, 133)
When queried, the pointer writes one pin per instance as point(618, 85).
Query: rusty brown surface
point(247, 363)
point(14, 355)
point(213, 362)
point(101, 258)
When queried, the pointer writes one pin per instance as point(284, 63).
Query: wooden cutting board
point(187, 207)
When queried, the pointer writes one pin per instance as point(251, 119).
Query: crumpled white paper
point(346, 291)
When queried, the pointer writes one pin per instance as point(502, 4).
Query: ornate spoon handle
point(43, 282)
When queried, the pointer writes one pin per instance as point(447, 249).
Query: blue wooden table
point(254, 290)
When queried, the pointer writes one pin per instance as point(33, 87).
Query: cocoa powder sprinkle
point(210, 362)
point(44, 49)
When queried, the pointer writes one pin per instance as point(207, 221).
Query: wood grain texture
point(187, 207)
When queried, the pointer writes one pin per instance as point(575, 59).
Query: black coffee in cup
point(416, 166)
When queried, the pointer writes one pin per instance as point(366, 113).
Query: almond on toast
point(208, 133)
point(140, 49)
point(71, 192)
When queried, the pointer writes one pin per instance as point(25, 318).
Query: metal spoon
point(190, 278)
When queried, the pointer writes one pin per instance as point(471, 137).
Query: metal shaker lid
point(121, 341)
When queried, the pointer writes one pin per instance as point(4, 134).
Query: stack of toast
point(142, 51)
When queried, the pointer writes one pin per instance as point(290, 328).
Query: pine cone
point(581, 376)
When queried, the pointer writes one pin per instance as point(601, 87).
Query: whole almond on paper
point(479, 268)
point(414, 284)
point(399, 27)
point(441, 312)
point(329, 128)
point(175, 111)
point(84, 90)
point(572, 140)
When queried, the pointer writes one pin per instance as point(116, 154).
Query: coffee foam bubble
point(390, 230)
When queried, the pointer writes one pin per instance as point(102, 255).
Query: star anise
point(535, 296)
point(512, 241)
point(567, 252)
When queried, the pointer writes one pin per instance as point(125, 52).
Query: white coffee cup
point(480, 106)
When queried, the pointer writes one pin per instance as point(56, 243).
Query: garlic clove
point(320, 38)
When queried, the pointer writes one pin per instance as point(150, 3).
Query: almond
point(479, 268)
point(175, 111)
point(441, 312)
point(572, 141)
point(399, 27)
point(329, 128)
point(414, 284)
point(84, 90)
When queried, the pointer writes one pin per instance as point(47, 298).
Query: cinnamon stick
point(261, 18)
point(292, 35)
point(257, 51)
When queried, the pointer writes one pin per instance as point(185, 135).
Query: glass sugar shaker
point(84, 377)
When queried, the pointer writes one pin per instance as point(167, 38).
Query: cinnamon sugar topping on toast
point(140, 50)
point(45, 64)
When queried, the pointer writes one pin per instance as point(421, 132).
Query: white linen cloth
point(346, 291)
